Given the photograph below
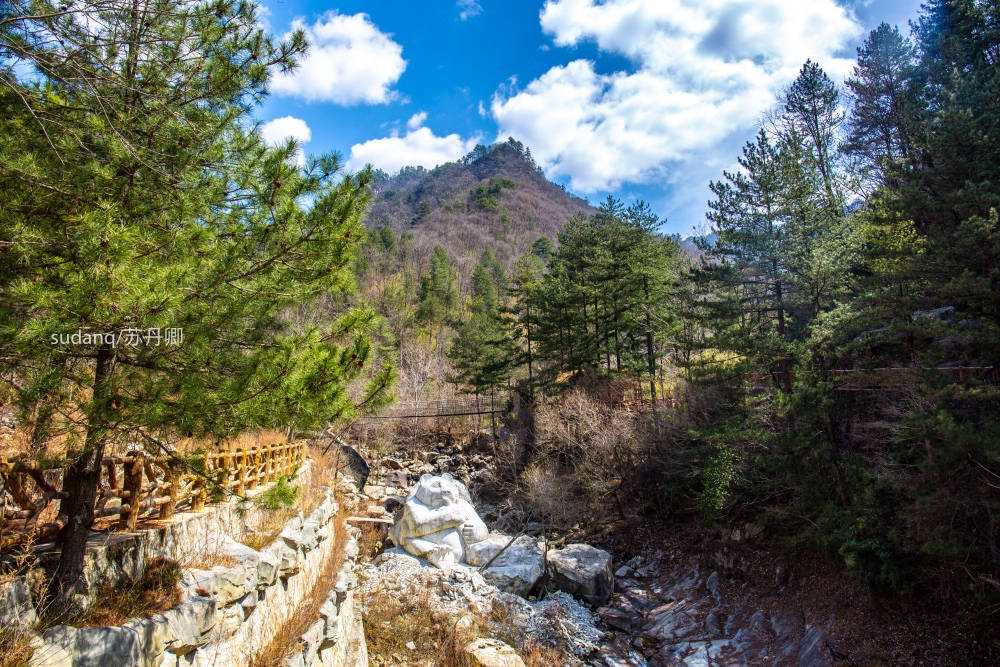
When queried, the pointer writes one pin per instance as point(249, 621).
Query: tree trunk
point(650, 354)
point(531, 374)
point(81, 482)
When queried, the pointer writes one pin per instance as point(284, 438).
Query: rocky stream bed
point(659, 609)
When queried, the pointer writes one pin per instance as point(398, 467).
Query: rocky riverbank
point(664, 610)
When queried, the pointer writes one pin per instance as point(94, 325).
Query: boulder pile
point(557, 621)
point(437, 522)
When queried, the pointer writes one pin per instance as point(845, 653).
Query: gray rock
point(248, 603)
point(312, 639)
point(352, 465)
point(943, 313)
point(519, 568)
point(189, 624)
point(397, 478)
point(712, 626)
point(87, 647)
point(310, 540)
point(267, 569)
point(232, 617)
point(583, 571)
point(226, 584)
point(16, 609)
point(616, 618)
point(811, 652)
point(712, 584)
point(760, 625)
point(490, 653)
point(481, 552)
point(153, 635)
point(289, 559)
point(331, 626)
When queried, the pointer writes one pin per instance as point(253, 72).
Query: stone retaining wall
point(228, 614)
point(337, 637)
point(118, 557)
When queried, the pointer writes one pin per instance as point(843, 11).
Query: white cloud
point(704, 69)
point(418, 147)
point(278, 131)
point(416, 120)
point(469, 8)
point(350, 61)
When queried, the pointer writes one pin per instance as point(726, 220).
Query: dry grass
point(210, 560)
point(393, 621)
point(15, 647)
point(155, 591)
point(372, 539)
point(241, 441)
point(275, 512)
point(288, 634)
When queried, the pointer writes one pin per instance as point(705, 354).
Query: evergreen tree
point(526, 286)
point(882, 112)
point(605, 287)
point(951, 193)
point(489, 282)
point(748, 273)
point(543, 248)
point(438, 293)
point(812, 110)
point(138, 200)
point(484, 351)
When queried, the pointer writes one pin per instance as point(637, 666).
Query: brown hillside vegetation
point(451, 205)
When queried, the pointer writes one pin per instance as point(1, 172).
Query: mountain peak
point(493, 196)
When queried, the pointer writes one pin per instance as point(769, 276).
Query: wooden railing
point(454, 407)
point(136, 486)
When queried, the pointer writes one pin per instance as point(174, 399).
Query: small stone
point(490, 653)
point(411, 646)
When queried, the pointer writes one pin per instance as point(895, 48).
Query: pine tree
point(484, 351)
point(605, 287)
point(525, 290)
point(749, 273)
point(489, 282)
point(951, 193)
point(882, 112)
point(438, 293)
point(139, 201)
point(811, 108)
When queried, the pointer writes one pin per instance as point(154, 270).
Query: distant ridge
point(495, 196)
point(689, 245)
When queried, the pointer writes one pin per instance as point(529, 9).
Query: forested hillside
point(494, 196)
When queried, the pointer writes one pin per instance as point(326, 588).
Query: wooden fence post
point(198, 498)
point(241, 472)
point(254, 465)
point(225, 479)
point(174, 480)
point(132, 493)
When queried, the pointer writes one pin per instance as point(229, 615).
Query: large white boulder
point(438, 521)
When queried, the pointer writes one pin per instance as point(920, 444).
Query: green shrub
point(281, 495)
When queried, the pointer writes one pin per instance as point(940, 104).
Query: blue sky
point(637, 98)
